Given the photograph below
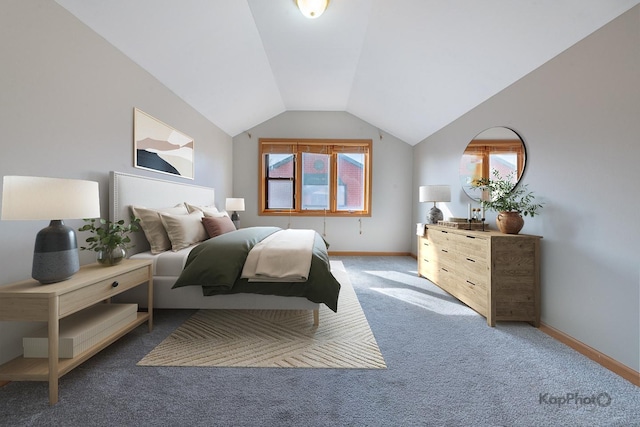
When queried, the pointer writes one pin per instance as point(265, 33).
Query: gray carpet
point(445, 367)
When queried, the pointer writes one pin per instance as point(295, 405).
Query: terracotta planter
point(509, 222)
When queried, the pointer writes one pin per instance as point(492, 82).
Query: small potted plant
point(110, 239)
point(510, 201)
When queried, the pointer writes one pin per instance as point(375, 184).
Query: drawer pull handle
point(445, 251)
point(471, 260)
point(444, 269)
point(115, 284)
point(471, 283)
point(471, 237)
point(443, 231)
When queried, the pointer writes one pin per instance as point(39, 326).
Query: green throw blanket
point(216, 265)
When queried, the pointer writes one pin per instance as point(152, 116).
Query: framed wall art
point(161, 148)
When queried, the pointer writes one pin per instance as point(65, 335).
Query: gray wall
point(579, 116)
point(66, 111)
point(389, 227)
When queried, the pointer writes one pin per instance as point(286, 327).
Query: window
point(315, 177)
point(483, 156)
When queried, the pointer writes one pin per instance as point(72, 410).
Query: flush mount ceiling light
point(312, 8)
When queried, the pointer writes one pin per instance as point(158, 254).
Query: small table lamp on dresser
point(434, 193)
point(55, 256)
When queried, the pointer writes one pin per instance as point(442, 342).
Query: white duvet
point(284, 256)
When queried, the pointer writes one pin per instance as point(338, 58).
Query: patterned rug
point(275, 338)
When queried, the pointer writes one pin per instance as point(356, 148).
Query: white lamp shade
point(435, 193)
point(312, 8)
point(37, 198)
point(234, 204)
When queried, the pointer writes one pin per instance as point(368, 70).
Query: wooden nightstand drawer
point(99, 291)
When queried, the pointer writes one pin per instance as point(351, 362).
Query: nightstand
point(31, 301)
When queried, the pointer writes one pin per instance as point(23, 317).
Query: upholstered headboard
point(126, 190)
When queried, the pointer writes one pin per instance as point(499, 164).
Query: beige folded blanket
point(284, 256)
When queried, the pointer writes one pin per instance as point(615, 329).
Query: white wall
point(66, 110)
point(389, 227)
point(579, 116)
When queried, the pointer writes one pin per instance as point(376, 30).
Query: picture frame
point(161, 148)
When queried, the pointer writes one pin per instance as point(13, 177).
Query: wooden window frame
point(332, 147)
point(486, 147)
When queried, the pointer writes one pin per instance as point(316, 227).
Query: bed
point(126, 190)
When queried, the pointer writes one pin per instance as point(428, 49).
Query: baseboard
point(338, 253)
point(611, 364)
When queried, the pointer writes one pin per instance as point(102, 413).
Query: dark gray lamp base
point(55, 256)
point(434, 215)
point(235, 218)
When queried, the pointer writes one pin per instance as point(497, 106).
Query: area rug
point(275, 338)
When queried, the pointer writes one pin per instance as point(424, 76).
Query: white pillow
point(184, 230)
point(206, 209)
point(216, 214)
point(152, 225)
point(209, 211)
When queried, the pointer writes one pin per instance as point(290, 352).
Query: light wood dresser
point(31, 301)
point(496, 274)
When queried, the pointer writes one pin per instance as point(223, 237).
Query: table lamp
point(235, 205)
point(55, 254)
point(435, 193)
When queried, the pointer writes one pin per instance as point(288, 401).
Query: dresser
point(496, 274)
point(93, 284)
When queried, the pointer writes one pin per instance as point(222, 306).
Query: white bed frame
point(126, 190)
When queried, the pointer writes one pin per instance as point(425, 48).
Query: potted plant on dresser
point(508, 200)
point(110, 239)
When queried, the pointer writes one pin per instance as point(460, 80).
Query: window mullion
point(297, 201)
point(333, 187)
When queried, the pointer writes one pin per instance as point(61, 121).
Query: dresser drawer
point(473, 270)
point(473, 247)
point(475, 296)
point(446, 258)
point(426, 259)
point(440, 237)
point(445, 278)
point(99, 291)
point(427, 268)
point(426, 248)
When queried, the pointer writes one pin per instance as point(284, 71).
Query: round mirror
point(497, 148)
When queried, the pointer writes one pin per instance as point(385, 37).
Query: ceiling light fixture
point(312, 8)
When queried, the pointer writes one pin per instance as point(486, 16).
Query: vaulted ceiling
point(408, 67)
